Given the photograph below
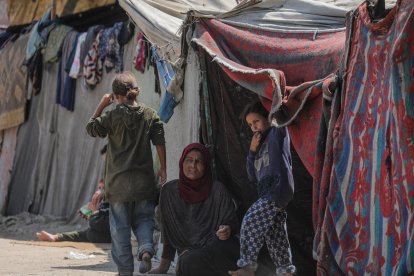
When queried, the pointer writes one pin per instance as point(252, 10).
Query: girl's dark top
point(271, 167)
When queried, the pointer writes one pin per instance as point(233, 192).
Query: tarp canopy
point(287, 14)
point(20, 12)
point(265, 50)
point(264, 58)
point(161, 20)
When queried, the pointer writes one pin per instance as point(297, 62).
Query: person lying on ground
point(98, 230)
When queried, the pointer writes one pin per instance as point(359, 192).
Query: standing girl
point(130, 182)
point(269, 165)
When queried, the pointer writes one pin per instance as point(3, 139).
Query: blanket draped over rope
point(12, 83)
point(271, 62)
point(365, 181)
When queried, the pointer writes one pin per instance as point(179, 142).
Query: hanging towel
point(53, 49)
point(92, 65)
point(139, 55)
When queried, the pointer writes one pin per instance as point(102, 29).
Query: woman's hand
point(255, 143)
point(224, 231)
point(162, 176)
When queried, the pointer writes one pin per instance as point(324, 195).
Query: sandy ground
point(21, 254)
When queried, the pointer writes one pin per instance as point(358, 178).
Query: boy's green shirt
point(129, 172)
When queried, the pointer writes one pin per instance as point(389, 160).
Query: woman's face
point(193, 165)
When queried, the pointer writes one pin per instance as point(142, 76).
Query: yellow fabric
point(12, 83)
point(25, 11)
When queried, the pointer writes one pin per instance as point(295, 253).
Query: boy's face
point(257, 122)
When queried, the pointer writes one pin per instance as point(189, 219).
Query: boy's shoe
point(145, 264)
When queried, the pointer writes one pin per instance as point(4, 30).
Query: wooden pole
point(53, 9)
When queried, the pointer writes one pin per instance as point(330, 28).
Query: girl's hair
point(125, 84)
point(255, 107)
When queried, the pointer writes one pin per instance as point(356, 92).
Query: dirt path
point(27, 259)
point(20, 254)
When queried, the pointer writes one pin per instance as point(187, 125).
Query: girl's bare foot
point(242, 272)
point(145, 264)
point(45, 236)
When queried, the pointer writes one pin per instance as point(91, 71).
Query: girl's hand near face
point(255, 143)
point(106, 100)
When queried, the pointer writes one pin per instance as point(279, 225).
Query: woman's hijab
point(193, 191)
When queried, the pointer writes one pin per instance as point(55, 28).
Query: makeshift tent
point(224, 100)
point(214, 79)
point(266, 55)
point(56, 165)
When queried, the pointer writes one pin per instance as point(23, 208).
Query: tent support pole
point(53, 16)
point(207, 113)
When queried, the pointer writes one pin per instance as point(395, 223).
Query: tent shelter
point(214, 58)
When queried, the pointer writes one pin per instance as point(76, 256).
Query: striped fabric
point(368, 223)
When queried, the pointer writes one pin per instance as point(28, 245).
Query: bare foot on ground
point(242, 272)
point(145, 264)
point(45, 236)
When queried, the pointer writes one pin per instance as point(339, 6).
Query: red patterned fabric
point(366, 191)
point(266, 61)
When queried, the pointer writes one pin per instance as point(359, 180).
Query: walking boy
point(130, 182)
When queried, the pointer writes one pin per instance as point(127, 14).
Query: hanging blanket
point(368, 225)
point(270, 62)
point(12, 83)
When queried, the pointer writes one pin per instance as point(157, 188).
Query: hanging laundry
point(89, 40)
point(66, 86)
point(139, 54)
point(35, 72)
point(12, 83)
point(34, 56)
point(53, 49)
point(5, 37)
point(110, 52)
point(126, 32)
point(92, 65)
point(76, 64)
point(39, 34)
point(169, 101)
point(367, 202)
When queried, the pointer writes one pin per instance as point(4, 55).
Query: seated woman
point(198, 219)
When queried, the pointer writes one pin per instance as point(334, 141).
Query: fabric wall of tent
point(231, 71)
point(230, 75)
point(51, 166)
point(215, 58)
